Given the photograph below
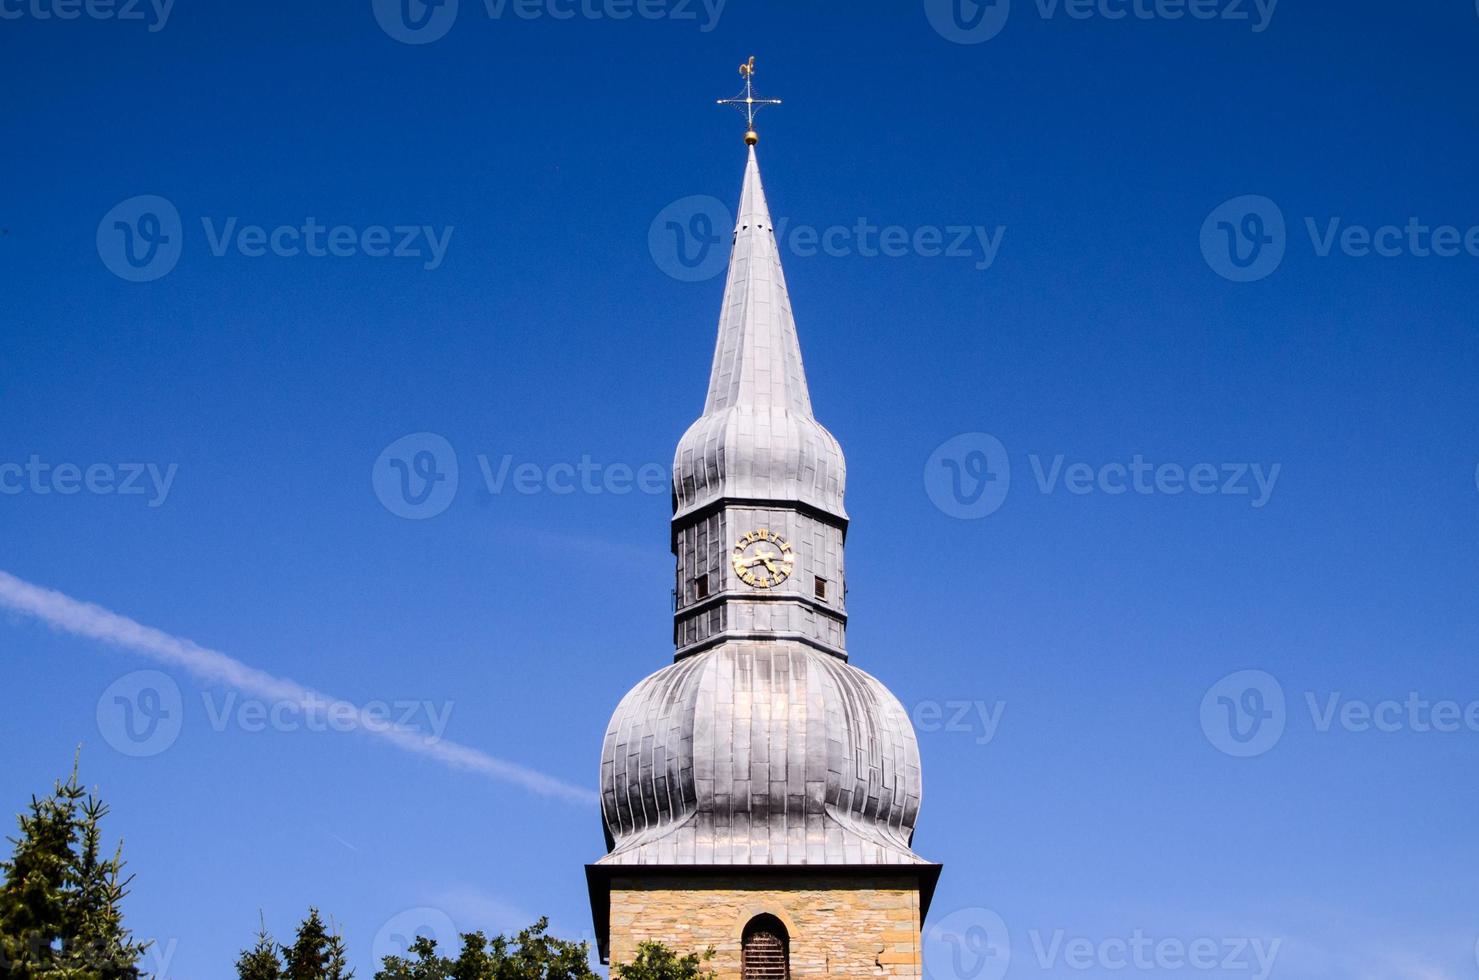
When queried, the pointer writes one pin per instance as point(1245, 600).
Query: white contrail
point(94, 622)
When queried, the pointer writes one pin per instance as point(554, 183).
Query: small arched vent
point(767, 950)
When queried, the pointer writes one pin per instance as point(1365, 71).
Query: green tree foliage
point(656, 962)
point(535, 955)
point(261, 962)
point(317, 953)
point(61, 914)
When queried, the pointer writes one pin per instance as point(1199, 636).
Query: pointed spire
point(757, 362)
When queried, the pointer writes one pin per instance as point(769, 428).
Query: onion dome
point(757, 753)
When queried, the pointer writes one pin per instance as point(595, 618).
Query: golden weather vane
point(747, 103)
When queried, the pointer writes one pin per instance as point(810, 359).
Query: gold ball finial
point(751, 137)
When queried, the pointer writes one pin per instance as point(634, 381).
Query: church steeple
point(759, 794)
point(758, 516)
point(757, 361)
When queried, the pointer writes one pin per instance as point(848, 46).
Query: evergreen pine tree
point(261, 962)
point(61, 914)
point(338, 967)
point(316, 954)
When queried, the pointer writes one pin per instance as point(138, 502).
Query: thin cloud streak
point(93, 622)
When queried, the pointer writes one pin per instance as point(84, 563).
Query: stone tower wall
point(839, 927)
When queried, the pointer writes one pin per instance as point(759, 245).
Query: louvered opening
point(767, 954)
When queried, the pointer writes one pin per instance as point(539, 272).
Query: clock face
point(762, 559)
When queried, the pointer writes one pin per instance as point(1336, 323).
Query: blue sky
point(1084, 289)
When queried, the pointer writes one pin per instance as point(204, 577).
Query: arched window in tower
point(767, 950)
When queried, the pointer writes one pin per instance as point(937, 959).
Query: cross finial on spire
point(747, 103)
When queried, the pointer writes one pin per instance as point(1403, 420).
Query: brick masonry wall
point(853, 927)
